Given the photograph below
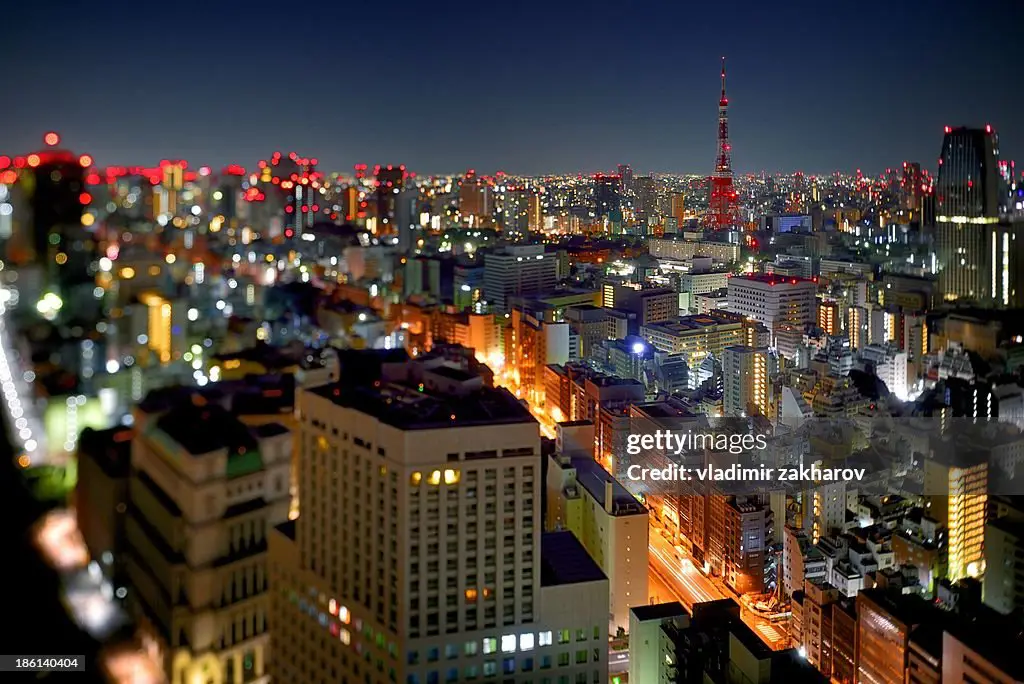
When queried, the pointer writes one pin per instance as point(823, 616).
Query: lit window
point(321, 442)
point(526, 642)
point(332, 606)
point(470, 595)
point(416, 478)
point(435, 477)
point(508, 643)
point(343, 614)
point(544, 639)
point(490, 645)
point(451, 477)
point(346, 637)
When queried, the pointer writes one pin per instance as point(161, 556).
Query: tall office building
point(515, 271)
point(774, 300)
point(745, 378)
point(204, 490)
point(418, 556)
point(474, 199)
point(626, 174)
point(968, 250)
point(607, 195)
point(389, 181)
point(678, 208)
point(53, 183)
point(646, 198)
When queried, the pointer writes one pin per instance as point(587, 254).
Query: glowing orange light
point(8, 177)
point(51, 139)
point(85, 160)
point(24, 461)
point(33, 160)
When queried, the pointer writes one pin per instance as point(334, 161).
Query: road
point(674, 570)
point(83, 593)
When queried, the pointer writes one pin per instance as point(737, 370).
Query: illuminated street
point(674, 570)
point(85, 594)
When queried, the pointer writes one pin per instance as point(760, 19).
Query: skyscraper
point(745, 375)
point(389, 181)
point(474, 199)
point(607, 199)
point(626, 174)
point(53, 182)
point(967, 246)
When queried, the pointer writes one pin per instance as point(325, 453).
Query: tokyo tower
point(722, 209)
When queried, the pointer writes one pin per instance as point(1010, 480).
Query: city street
point(673, 572)
point(84, 594)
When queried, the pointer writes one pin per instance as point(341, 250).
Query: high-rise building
point(626, 174)
point(774, 300)
point(967, 211)
point(646, 198)
point(1003, 584)
point(745, 378)
point(956, 478)
point(883, 633)
point(389, 181)
point(678, 208)
point(204, 489)
point(516, 271)
point(747, 536)
point(607, 195)
point(612, 525)
point(474, 199)
point(53, 183)
point(440, 571)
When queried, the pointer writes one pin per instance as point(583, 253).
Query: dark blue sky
point(527, 87)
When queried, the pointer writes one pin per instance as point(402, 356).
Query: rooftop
point(659, 611)
point(563, 560)
point(685, 324)
point(202, 428)
point(365, 388)
point(593, 478)
point(769, 279)
point(111, 449)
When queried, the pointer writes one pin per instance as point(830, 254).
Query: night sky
point(530, 87)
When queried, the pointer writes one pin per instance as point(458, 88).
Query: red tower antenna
point(722, 208)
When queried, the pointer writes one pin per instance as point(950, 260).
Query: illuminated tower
point(968, 248)
point(722, 207)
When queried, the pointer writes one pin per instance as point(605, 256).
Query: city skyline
point(487, 104)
